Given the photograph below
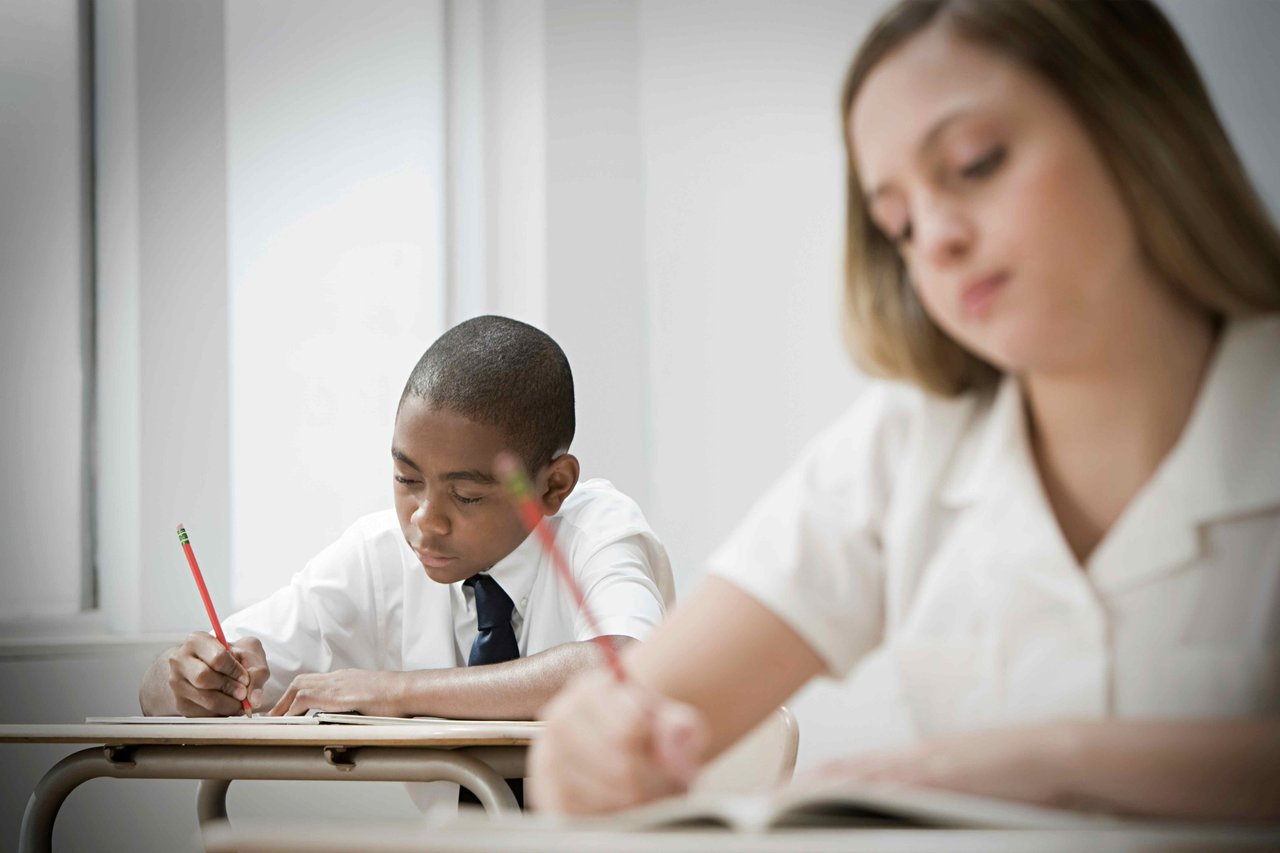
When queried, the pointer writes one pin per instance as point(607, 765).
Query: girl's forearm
point(1226, 770)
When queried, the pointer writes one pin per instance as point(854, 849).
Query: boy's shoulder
point(376, 524)
point(377, 534)
point(597, 510)
point(596, 516)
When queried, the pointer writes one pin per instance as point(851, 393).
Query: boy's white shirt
point(913, 546)
point(365, 602)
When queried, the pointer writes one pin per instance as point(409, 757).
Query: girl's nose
point(944, 233)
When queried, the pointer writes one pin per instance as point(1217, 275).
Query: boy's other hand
point(361, 690)
point(608, 746)
point(208, 680)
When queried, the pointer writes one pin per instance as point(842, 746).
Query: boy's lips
point(434, 561)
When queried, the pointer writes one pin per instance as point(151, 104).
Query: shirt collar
point(1224, 464)
point(1227, 462)
point(984, 455)
point(516, 572)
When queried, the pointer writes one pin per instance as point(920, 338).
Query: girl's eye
point(984, 165)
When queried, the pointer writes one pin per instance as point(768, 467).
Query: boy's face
point(453, 511)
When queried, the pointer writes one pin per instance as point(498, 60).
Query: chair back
point(763, 758)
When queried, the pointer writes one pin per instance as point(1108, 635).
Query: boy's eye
point(404, 480)
point(984, 165)
point(462, 499)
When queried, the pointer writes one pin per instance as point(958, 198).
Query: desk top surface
point(446, 733)
point(261, 836)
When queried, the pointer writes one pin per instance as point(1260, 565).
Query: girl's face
point(1012, 231)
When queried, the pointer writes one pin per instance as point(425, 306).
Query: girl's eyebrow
point(927, 141)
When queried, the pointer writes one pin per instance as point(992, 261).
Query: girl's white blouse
point(914, 543)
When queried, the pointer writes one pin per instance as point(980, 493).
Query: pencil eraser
point(506, 465)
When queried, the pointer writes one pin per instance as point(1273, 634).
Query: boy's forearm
point(1212, 770)
point(514, 690)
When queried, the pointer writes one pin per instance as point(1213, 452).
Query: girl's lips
point(977, 297)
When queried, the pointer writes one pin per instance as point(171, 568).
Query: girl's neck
point(1100, 429)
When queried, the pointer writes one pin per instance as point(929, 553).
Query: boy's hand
point(608, 746)
point(361, 690)
point(209, 681)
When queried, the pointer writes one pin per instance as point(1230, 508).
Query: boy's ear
point(562, 476)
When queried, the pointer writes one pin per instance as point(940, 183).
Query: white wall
point(42, 280)
point(335, 128)
point(1234, 45)
point(271, 267)
point(743, 210)
point(162, 402)
point(597, 303)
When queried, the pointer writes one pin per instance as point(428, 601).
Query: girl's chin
point(1017, 349)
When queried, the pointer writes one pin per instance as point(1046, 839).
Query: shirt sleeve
point(810, 548)
point(327, 618)
point(620, 584)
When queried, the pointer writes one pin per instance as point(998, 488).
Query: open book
point(836, 804)
point(313, 718)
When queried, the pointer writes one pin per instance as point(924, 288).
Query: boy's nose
point(429, 520)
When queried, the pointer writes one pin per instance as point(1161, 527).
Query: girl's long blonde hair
point(1127, 76)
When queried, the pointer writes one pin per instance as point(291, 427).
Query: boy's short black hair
point(501, 372)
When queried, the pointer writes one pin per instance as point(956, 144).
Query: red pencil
point(513, 475)
point(208, 602)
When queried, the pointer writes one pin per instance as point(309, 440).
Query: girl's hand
point(610, 745)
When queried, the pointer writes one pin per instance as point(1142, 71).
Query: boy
point(488, 633)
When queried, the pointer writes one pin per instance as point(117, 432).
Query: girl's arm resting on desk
point(718, 666)
point(513, 690)
point(1203, 770)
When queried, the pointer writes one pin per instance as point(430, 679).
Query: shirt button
point(523, 602)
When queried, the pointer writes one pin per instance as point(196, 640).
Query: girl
point(1055, 539)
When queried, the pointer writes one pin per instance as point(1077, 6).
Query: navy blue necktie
point(495, 642)
point(495, 638)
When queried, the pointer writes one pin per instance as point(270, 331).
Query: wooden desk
point(259, 836)
point(479, 756)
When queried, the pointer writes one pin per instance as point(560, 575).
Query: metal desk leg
point(211, 799)
point(221, 764)
point(36, 834)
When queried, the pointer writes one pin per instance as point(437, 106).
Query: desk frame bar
point(482, 770)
